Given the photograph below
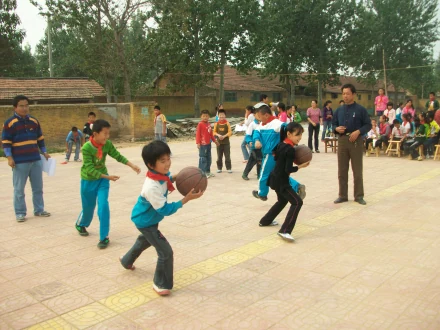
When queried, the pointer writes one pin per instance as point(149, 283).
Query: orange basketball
point(191, 177)
point(303, 154)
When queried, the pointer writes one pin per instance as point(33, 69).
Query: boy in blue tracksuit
point(267, 137)
point(255, 154)
point(152, 206)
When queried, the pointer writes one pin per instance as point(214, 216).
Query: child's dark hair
point(264, 109)
point(291, 128)
point(385, 118)
point(430, 115)
point(407, 116)
point(222, 111)
point(327, 103)
point(262, 97)
point(416, 121)
point(395, 121)
point(100, 124)
point(400, 104)
point(250, 108)
point(91, 113)
point(282, 106)
point(156, 107)
point(341, 101)
point(423, 114)
point(204, 112)
point(74, 129)
point(390, 104)
point(153, 151)
point(17, 99)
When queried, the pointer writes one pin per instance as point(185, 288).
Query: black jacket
point(284, 156)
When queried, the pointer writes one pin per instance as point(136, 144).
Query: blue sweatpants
point(267, 166)
point(90, 192)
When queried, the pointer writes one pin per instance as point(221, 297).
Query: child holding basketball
point(266, 137)
point(95, 181)
point(279, 180)
point(152, 206)
point(204, 136)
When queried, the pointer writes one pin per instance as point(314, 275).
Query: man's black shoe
point(361, 201)
point(340, 200)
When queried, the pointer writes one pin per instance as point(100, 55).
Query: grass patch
point(56, 150)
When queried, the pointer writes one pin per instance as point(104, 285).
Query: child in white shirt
point(390, 112)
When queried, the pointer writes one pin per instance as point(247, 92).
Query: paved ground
point(351, 267)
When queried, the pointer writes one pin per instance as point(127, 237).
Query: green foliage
point(14, 61)
point(405, 30)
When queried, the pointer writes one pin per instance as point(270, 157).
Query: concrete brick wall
point(127, 120)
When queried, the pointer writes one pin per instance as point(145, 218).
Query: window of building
point(255, 97)
point(359, 97)
point(230, 96)
point(369, 97)
point(277, 97)
point(334, 96)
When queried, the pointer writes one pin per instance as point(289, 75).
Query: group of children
point(418, 133)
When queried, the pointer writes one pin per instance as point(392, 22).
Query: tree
point(397, 34)
point(10, 37)
point(305, 36)
point(185, 44)
point(95, 20)
point(230, 28)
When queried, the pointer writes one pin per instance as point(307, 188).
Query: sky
point(35, 24)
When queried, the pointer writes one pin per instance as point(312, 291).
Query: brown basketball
point(303, 154)
point(191, 177)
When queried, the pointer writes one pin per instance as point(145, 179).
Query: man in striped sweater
point(22, 141)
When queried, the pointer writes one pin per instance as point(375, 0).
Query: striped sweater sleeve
point(7, 139)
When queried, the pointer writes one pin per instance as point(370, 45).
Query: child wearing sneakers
point(204, 136)
point(95, 181)
point(74, 137)
point(255, 156)
point(222, 130)
point(279, 180)
point(266, 137)
point(151, 208)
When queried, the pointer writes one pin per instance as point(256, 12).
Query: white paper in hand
point(48, 165)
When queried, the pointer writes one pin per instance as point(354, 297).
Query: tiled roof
point(359, 86)
point(253, 82)
point(235, 81)
point(50, 88)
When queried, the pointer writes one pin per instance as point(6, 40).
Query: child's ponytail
point(283, 132)
point(291, 128)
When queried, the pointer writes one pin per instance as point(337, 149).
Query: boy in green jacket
point(95, 180)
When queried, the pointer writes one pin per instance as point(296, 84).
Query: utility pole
point(49, 47)
point(384, 73)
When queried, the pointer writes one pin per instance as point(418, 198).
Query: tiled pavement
point(351, 267)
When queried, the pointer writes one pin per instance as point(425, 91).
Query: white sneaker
point(78, 160)
point(286, 237)
point(219, 171)
point(229, 171)
point(160, 291)
point(209, 175)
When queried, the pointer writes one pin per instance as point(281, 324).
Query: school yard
point(351, 267)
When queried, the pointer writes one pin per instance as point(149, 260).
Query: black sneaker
point(245, 177)
point(104, 243)
point(82, 230)
point(255, 194)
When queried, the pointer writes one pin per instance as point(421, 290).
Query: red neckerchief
point(288, 141)
point(161, 177)
point(270, 119)
point(222, 121)
point(98, 146)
